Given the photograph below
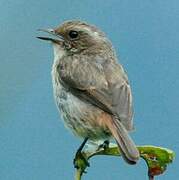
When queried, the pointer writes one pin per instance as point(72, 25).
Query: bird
point(91, 88)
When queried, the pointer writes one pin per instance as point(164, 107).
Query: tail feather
point(126, 145)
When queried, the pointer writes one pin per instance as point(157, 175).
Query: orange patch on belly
point(103, 119)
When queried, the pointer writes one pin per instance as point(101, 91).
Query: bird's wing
point(105, 86)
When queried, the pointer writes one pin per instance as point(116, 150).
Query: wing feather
point(104, 85)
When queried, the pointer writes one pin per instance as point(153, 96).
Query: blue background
point(34, 145)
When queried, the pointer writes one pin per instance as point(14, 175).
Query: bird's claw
point(104, 145)
point(80, 161)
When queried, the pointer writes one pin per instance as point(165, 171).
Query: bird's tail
point(126, 145)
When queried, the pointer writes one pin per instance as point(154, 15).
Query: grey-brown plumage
point(91, 89)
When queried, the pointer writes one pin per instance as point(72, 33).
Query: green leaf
point(157, 158)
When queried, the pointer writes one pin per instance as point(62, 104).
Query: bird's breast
point(83, 118)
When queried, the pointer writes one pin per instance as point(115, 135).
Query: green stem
point(78, 174)
point(151, 177)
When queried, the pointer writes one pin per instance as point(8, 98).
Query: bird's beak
point(53, 37)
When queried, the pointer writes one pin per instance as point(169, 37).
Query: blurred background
point(34, 145)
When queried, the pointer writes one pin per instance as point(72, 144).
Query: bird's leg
point(82, 146)
point(104, 145)
point(79, 155)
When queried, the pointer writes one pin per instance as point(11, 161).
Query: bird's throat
point(59, 52)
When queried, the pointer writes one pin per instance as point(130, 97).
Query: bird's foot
point(104, 145)
point(80, 161)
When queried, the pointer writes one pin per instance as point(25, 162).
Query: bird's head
point(78, 37)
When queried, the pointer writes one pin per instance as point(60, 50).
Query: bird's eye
point(73, 34)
